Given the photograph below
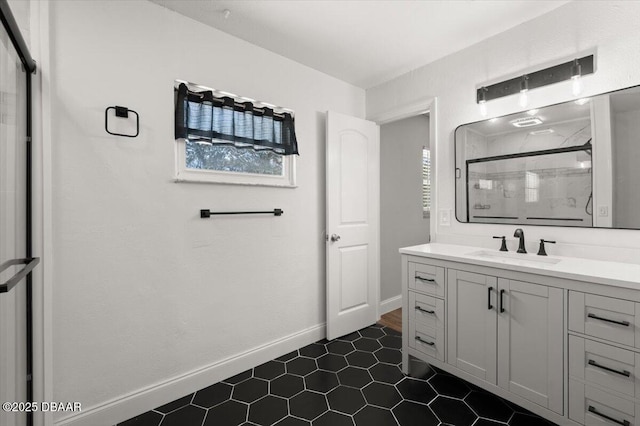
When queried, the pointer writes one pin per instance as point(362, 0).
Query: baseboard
point(143, 400)
point(390, 304)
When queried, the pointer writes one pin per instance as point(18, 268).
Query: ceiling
point(550, 115)
point(362, 42)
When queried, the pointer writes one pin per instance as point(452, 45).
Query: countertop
point(617, 274)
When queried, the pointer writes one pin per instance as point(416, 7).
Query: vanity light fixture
point(573, 71)
point(523, 101)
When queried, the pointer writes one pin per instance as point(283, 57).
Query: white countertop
point(595, 271)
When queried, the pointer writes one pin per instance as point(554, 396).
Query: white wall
point(401, 219)
point(144, 290)
point(609, 27)
point(21, 12)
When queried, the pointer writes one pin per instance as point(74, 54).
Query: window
point(532, 187)
point(426, 182)
point(224, 138)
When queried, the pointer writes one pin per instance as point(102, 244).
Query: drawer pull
point(489, 305)
point(428, 280)
point(611, 419)
point(424, 341)
point(418, 308)
point(622, 373)
point(501, 301)
point(594, 316)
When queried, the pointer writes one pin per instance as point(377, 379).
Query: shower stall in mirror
point(572, 164)
point(16, 257)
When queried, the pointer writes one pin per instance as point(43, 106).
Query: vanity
point(558, 336)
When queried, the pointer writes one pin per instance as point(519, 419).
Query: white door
point(353, 223)
point(472, 323)
point(530, 345)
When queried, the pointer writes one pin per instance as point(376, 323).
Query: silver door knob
point(335, 237)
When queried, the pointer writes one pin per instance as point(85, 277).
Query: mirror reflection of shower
point(569, 164)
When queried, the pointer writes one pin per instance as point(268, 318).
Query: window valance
point(204, 117)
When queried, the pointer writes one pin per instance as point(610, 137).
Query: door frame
point(400, 112)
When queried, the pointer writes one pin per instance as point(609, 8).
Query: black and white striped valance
point(204, 117)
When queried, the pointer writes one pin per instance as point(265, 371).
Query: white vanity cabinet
point(471, 323)
point(604, 359)
point(508, 333)
point(560, 344)
point(530, 342)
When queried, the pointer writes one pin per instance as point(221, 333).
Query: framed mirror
point(571, 164)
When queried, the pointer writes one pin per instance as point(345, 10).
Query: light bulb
point(523, 100)
point(524, 88)
point(483, 108)
point(482, 100)
point(576, 85)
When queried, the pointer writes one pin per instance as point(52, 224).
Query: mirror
point(570, 164)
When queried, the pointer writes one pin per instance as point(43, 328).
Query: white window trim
point(184, 174)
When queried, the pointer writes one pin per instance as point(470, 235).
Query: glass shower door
point(13, 250)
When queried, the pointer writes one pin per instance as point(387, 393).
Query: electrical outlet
point(603, 211)
point(445, 217)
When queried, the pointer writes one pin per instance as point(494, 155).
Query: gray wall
point(626, 131)
point(401, 220)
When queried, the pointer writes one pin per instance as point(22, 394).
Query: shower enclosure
point(16, 257)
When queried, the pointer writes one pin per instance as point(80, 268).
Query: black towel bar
point(206, 213)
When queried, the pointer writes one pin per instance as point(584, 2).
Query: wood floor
point(392, 320)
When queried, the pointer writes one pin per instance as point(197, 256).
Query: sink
point(514, 258)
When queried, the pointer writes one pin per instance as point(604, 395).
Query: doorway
point(405, 201)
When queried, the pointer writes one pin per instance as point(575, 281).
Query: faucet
point(520, 234)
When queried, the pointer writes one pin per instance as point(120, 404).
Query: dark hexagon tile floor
point(354, 380)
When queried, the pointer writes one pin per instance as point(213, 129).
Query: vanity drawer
point(426, 310)
point(428, 340)
point(607, 366)
point(591, 406)
point(603, 317)
point(426, 278)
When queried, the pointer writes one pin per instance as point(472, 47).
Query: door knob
point(335, 237)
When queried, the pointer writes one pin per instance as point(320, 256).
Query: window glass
point(426, 180)
point(230, 159)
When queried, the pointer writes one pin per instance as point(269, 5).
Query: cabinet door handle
point(419, 339)
point(418, 308)
point(622, 373)
point(594, 316)
point(611, 419)
point(429, 280)
point(489, 305)
point(501, 301)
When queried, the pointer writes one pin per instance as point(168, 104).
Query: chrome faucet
point(520, 234)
